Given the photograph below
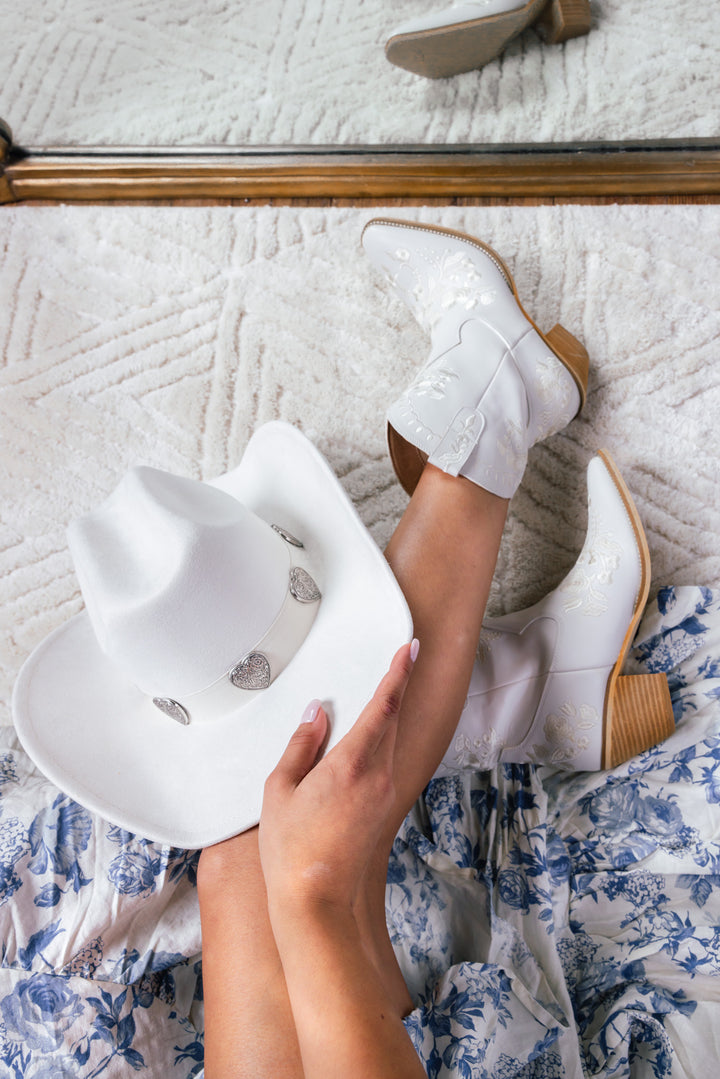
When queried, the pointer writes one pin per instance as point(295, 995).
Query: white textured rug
point(82, 72)
point(165, 335)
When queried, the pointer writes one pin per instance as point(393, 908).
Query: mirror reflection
point(327, 72)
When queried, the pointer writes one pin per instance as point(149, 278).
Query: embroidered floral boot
point(547, 686)
point(493, 384)
point(468, 34)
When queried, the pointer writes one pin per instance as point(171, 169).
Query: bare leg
point(443, 554)
point(249, 1030)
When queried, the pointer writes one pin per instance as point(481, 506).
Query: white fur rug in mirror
point(234, 72)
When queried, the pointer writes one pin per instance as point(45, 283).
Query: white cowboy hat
point(166, 704)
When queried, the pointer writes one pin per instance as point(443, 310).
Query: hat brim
point(104, 743)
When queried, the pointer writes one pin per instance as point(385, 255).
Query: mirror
point(296, 75)
point(296, 98)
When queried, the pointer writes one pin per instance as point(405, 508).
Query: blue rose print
point(558, 859)
point(659, 816)
point(39, 1012)
point(133, 872)
point(613, 805)
point(514, 890)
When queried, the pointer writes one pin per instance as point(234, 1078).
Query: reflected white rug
point(82, 72)
point(165, 335)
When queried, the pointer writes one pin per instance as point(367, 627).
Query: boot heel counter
point(638, 715)
point(407, 460)
point(572, 354)
point(564, 19)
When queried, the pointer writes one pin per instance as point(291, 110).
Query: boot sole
point(638, 710)
point(450, 50)
point(408, 461)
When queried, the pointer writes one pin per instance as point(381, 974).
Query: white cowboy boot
point(469, 33)
point(494, 384)
point(546, 687)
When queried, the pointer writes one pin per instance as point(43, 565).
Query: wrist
point(347, 1022)
point(300, 918)
point(315, 941)
point(309, 893)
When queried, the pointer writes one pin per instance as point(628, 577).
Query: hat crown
point(179, 579)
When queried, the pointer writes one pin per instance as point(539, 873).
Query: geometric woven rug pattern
point(314, 71)
point(165, 335)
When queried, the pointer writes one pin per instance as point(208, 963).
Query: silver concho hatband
point(253, 671)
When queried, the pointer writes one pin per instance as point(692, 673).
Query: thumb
point(303, 748)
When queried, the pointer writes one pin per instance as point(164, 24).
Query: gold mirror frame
point(667, 168)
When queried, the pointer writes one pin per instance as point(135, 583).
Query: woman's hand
point(321, 821)
point(319, 827)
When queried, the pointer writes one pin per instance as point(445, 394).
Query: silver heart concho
point(252, 672)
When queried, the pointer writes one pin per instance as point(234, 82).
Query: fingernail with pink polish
point(311, 711)
point(414, 649)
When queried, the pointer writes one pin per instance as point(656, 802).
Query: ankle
point(471, 497)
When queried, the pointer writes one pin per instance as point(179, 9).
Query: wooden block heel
point(564, 19)
point(573, 354)
point(638, 715)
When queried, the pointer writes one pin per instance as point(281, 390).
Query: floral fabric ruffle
point(100, 971)
point(555, 924)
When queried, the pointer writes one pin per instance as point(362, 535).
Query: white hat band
point(259, 667)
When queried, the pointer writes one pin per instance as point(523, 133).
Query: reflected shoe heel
point(547, 686)
point(562, 20)
point(494, 384)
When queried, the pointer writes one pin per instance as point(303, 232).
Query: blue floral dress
point(567, 925)
point(100, 970)
point(548, 925)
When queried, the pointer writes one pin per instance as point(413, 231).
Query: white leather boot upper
point(538, 689)
point(491, 387)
